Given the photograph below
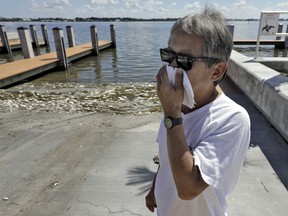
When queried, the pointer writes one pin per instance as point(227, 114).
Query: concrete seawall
point(265, 87)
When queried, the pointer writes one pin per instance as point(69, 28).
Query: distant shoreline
point(105, 19)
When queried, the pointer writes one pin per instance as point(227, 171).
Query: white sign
point(269, 23)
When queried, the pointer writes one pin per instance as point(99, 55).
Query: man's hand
point(170, 97)
point(150, 201)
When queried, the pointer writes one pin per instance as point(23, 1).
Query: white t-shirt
point(219, 135)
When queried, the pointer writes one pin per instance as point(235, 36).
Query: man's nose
point(173, 63)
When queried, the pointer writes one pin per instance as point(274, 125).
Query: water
point(136, 58)
point(101, 83)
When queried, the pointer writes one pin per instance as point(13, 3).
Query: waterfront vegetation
point(101, 19)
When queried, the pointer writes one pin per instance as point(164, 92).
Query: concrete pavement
point(101, 164)
point(120, 179)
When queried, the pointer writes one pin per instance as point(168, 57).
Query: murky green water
point(124, 98)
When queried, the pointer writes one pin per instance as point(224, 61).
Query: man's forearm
point(187, 177)
point(154, 180)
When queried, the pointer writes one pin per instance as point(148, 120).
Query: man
point(201, 148)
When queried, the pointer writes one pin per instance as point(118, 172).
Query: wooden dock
point(12, 42)
point(16, 71)
point(276, 43)
point(15, 44)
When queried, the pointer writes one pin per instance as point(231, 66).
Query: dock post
point(113, 35)
point(25, 41)
point(231, 30)
point(34, 38)
point(45, 35)
point(70, 36)
point(94, 39)
point(60, 47)
point(280, 29)
point(5, 41)
point(3, 37)
point(286, 38)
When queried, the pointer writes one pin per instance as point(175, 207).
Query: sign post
point(268, 26)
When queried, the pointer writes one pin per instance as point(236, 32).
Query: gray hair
point(211, 26)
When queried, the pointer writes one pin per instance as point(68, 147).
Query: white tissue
point(188, 99)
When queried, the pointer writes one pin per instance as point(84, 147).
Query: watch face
point(168, 123)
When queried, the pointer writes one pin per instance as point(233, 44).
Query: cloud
point(103, 2)
point(86, 9)
point(161, 9)
point(236, 9)
point(55, 4)
point(148, 8)
point(240, 9)
point(34, 4)
point(48, 5)
point(154, 2)
point(99, 7)
point(193, 7)
point(282, 5)
point(240, 3)
point(132, 4)
point(141, 6)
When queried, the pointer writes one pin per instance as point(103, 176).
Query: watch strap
point(177, 121)
point(174, 121)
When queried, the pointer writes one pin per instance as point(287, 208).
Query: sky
point(134, 8)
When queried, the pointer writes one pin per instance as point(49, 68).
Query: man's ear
point(219, 71)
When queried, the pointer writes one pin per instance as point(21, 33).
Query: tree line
point(81, 19)
point(101, 19)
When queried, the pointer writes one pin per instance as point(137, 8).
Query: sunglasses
point(183, 61)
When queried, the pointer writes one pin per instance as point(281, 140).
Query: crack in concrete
point(264, 187)
point(109, 210)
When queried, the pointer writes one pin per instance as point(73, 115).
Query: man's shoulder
point(228, 109)
point(226, 103)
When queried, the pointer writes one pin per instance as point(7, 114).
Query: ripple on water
point(122, 98)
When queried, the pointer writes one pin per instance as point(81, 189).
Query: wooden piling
point(5, 41)
point(113, 35)
point(280, 29)
point(25, 41)
point(286, 38)
point(70, 36)
point(231, 30)
point(60, 47)
point(94, 39)
point(45, 34)
point(34, 38)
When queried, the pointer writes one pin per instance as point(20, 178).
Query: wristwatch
point(170, 122)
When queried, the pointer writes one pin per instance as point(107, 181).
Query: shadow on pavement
point(263, 134)
point(142, 177)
